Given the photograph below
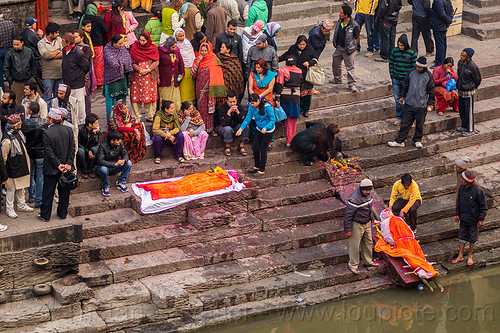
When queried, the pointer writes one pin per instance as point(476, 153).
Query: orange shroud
point(197, 183)
point(405, 246)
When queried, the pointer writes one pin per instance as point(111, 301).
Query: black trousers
point(411, 216)
point(49, 187)
point(421, 25)
point(259, 147)
point(411, 114)
point(466, 110)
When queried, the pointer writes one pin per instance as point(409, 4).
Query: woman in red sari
point(132, 132)
point(444, 98)
point(144, 86)
point(210, 85)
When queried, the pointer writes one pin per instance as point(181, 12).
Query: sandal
point(242, 151)
point(157, 160)
point(440, 114)
point(181, 160)
point(227, 151)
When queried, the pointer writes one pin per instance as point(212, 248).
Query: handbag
point(68, 181)
point(279, 114)
point(315, 74)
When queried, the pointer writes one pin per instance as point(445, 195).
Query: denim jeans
point(368, 21)
point(103, 172)
point(397, 85)
point(84, 162)
point(440, 39)
point(387, 35)
point(50, 89)
point(36, 181)
point(3, 53)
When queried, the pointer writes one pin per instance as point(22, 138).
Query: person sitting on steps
point(231, 116)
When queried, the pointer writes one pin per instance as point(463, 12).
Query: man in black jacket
point(231, 39)
point(357, 225)
point(471, 209)
point(231, 116)
point(387, 14)
point(469, 79)
point(19, 66)
point(74, 68)
point(31, 36)
point(9, 106)
point(33, 131)
point(59, 153)
point(112, 158)
point(88, 142)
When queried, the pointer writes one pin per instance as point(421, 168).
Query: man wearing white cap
point(461, 165)
point(357, 225)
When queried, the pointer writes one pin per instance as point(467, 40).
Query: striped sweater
point(401, 62)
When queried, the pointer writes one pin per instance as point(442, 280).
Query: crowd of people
point(186, 76)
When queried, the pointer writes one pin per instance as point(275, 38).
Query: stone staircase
point(481, 19)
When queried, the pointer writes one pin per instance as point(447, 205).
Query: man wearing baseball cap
point(31, 36)
point(357, 217)
point(471, 210)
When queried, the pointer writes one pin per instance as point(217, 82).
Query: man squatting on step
point(357, 226)
point(471, 210)
point(406, 206)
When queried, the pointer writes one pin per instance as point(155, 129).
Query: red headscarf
point(146, 52)
point(217, 85)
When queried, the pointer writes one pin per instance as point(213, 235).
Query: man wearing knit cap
point(469, 79)
point(357, 225)
point(471, 208)
point(417, 95)
point(17, 164)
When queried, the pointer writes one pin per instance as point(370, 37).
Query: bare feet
point(457, 259)
point(470, 262)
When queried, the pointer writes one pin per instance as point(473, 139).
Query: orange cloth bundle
point(211, 180)
point(405, 246)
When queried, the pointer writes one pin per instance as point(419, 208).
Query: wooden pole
point(42, 13)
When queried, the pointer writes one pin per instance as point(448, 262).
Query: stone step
point(318, 256)
point(23, 313)
point(301, 10)
point(488, 177)
point(481, 15)
point(110, 222)
point(292, 194)
point(313, 234)
point(434, 165)
point(447, 228)
point(291, 172)
point(434, 143)
point(87, 322)
point(484, 3)
point(302, 213)
point(483, 31)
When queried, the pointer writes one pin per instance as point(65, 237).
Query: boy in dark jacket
point(112, 158)
point(357, 225)
point(471, 208)
point(469, 79)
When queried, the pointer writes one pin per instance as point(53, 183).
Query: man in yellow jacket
point(410, 199)
point(365, 14)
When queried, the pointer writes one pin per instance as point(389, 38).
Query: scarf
point(233, 73)
point(184, 7)
point(140, 53)
point(195, 120)
point(119, 117)
point(168, 118)
point(264, 82)
point(91, 11)
point(89, 42)
point(15, 144)
point(117, 63)
point(272, 28)
point(284, 73)
point(210, 61)
point(186, 48)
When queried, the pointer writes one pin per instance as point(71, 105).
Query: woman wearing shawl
point(209, 78)
point(83, 41)
point(193, 129)
point(95, 32)
point(249, 36)
point(306, 57)
point(117, 63)
point(272, 31)
point(153, 26)
point(198, 39)
point(445, 97)
point(261, 81)
point(167, 130)
point(232, 71)
point(170, 20)
point(187, 54)
point(132, 132)
point(171, 72)
point(288, 92)
point(144, 86)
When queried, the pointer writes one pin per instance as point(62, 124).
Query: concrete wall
point(17, 11)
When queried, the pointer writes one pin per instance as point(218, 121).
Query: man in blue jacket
point(357, 225)
point(440, 19)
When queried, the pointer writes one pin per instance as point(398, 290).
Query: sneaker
point(395, 144)
point(419, 145)
point(25, 208)
point(335, 81)
point(397, 122)
point(39, 216)
point(11, 214)
point(369, 54)
point(461, 129)
point(430, 54)
point(122, 187)
point(353, 89)
point(380, 59)
point(105, 192)
point(467, 133)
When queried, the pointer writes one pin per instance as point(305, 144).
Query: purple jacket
point(167, 69)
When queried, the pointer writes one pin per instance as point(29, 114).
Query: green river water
point(470, 303)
